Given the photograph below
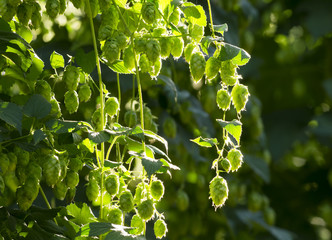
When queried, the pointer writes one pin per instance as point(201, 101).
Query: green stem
point(46, 201)
point(110, 147)
point(211, 21)
point(140, 97)
point(101, 92)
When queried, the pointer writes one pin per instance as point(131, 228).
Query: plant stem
point(46, 201)
point(211, 21)
point(139, 87)
point(101, 92)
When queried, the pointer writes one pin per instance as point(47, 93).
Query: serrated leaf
point(35, 70)
point(164, 4)
point(155, 136)
point(37, 106)
point(87, 61)
point(221, 28)
point(136, 146)
point(111, 164)
point(95, 229)
point(82, 214)
point(237, 55)
point(151, 165)
point(233, 127)
point(99, 137)
point(119, 67)
point(158, 151)
point(11, 114)
point(122, 235)
point(38, 136)
point(169, 165)
point(205, 142)
point(121, 3)
point(57, 60)
point(195, 13)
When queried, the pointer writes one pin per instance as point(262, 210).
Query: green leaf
point(99, 137)
point(35, 70)
point(221, 28)
point(95, 229)
point(195, 13)
point(170, 84)
point(121, 3)
point(237, 55)
point(37, 106)
point(158, 151)
point(135, 146)
point(119, 67)
point(234, 128)
point(151, 165)
point(8, 36)
point(155, 136)
point(39, 213)
point(11, 114)
point(122, 235)
point(38, 136)
point(259, 166)
point(111, 164)
point(169, 165)
point(205, 142)
point(82, 214)
point(164, 4)
point(57, 60)
point(60, 126)
point(87, 61)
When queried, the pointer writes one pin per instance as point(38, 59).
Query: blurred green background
point(284, 188)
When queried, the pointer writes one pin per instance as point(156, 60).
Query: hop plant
point(4, 163)
point(174, 18)
point(97, 120)
point(52, 8)
point(130, 118)
point(2, 185)
point(129, 58)
point(112, 184)
point(240, 96)
point(144, 63)
point(71, 77)
point(23, 156)
point(3, 6)
point(226, 165)
point(223, 99)
point(235, 158)
point(105, 31)
point(126, 201)
point(228, 73)
point(188, 50)
point(153, 50)
point(212, 67)
point(157, 189)
point(140, 45)
point(122, 40)
point(34, 169)
point(75, 164)
point(92, 189)
point(138, 225)
point(141, 192)
point(77, 3)
point(84, 93)
point(146, 209)
point(169, 127)
point(51, 170)
point(196, 32)
point(218, 191)
point(24, 13)
point(71, 101)
point(72, 179)
point(115, 216)
point(27, 193)
point(63, 5)
point(149, 12)
point(177, 48)
point(197, 66)
point(43, 88)
point(166, 44)
point(160, 228)
point(60, 190)
point(10, 13)
point(111, 50)
point(110, 17)
point(112, 106)
point(55, 109)
point(155, 69)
